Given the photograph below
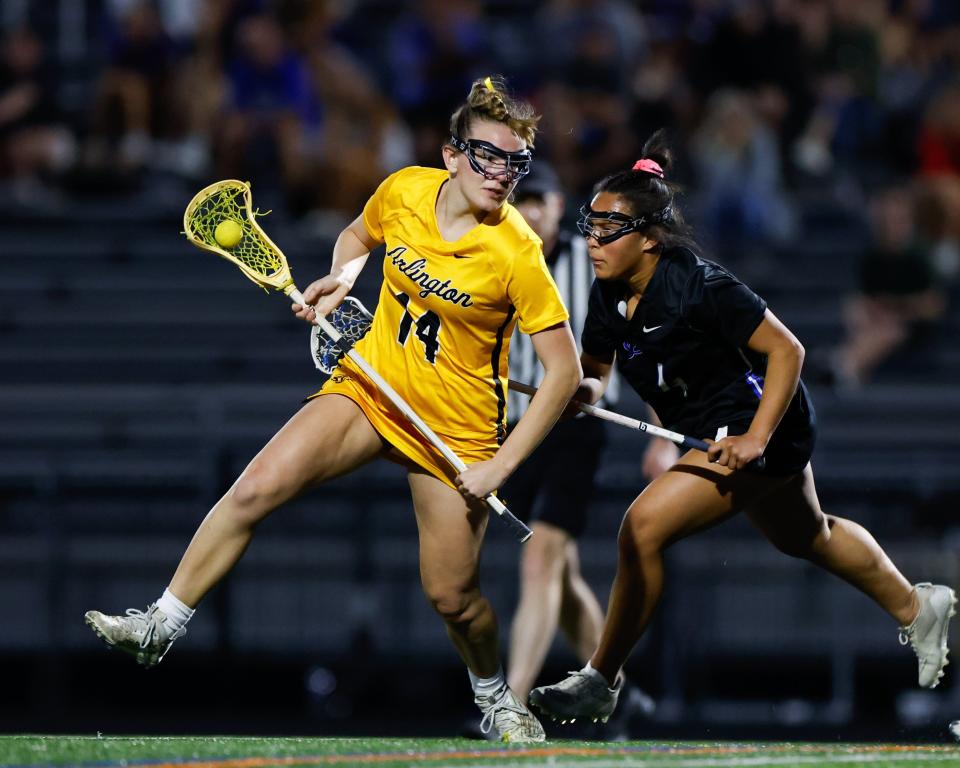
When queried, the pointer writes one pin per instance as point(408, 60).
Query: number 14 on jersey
point(428, 329)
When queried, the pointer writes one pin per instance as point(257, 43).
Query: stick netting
point(255, 254)
point(352, 320)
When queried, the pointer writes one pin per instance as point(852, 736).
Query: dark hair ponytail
point(656, 148)
point(650, 195)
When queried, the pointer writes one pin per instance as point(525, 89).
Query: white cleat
point(512, 720)
point(927, 635)
point(582, 694)
point(142, 634)
point(954, 728)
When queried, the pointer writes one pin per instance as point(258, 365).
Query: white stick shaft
point(616, 418)
point(455, 461)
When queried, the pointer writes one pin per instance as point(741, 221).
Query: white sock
point(591, 672)
point(487, 686)
point(176, 612)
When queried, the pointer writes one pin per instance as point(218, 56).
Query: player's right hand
point(324, 295)
point(735, 451)
point(479, 480)
point(584, 394)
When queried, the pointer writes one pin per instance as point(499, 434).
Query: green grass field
point(234, 752)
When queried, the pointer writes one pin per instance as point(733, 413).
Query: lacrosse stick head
point(256, 255)
point(351, 320)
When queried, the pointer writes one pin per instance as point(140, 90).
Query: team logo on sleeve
point(429, 285)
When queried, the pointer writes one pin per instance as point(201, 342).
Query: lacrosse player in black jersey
point(552, 489)
point(714, 362)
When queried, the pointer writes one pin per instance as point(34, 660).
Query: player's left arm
point(557, 352)
point(784, 354)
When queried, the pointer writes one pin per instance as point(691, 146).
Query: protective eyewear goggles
point(607, 226)
point(491, 162)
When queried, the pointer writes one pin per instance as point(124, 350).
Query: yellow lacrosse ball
point(228, 233)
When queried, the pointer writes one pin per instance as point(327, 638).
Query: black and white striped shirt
point(573, 273)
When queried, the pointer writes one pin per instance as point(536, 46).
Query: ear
point(649, 245)
point(450, 158)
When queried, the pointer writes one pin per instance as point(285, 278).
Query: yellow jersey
point(447, 309)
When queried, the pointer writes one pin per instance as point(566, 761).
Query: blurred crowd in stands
point(853, 103)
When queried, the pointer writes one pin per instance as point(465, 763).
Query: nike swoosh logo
point(648, 330)
point(458, 256)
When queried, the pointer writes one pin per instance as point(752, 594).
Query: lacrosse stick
point(354, 321)
point(263, 263)
point(651, 429)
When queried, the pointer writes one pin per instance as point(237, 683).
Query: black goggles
point(491, 162)
point(607, 226)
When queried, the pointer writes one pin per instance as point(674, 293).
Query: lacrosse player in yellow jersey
point(462, 270)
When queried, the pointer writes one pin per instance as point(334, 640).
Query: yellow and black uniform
point(441, 332)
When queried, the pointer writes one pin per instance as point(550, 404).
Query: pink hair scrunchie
point(648, 166)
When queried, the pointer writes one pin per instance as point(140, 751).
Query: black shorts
point(791, 446)
point(555, 484)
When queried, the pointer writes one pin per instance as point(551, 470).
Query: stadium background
point(820, 144)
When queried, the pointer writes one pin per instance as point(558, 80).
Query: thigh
point(790, 513)
point(451, 533)
point(693, 495)
point(326, 438)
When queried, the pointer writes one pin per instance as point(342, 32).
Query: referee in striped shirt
point(552, 489)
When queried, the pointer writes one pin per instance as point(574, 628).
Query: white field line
point(631, 761)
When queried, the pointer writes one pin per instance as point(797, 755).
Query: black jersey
point(685, 349)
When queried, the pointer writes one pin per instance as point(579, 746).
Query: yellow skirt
point(410, 447)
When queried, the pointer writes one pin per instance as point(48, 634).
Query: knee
point(255, 493)
point(455, 606)
point(543, 561)
point(640, 533)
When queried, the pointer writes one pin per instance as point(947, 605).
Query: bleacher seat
point(140, 375)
